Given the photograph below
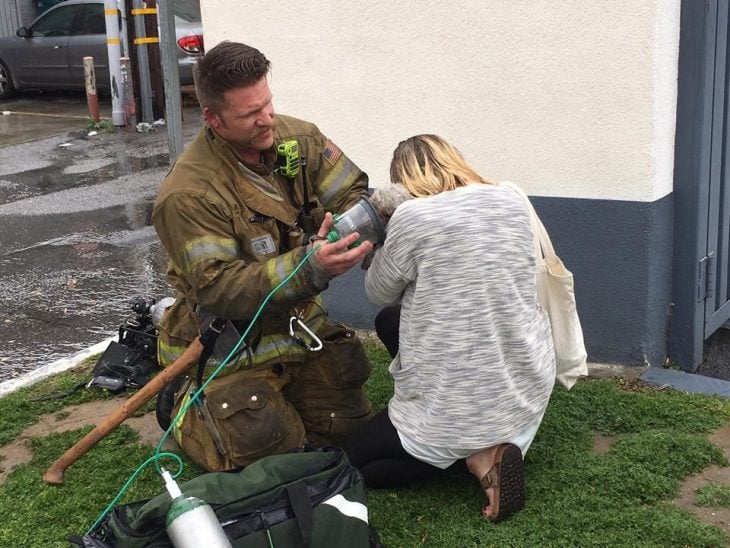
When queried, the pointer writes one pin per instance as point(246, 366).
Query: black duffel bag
point(311, 497)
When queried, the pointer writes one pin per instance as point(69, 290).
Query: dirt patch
point(72, 418)
point(719, 517)
point(601, 443)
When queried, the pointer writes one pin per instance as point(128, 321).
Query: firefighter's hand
point(336, 258)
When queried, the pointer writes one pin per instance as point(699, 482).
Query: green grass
point(575, 496)
point(22, 408)
point(102, 126)
point(713, 495)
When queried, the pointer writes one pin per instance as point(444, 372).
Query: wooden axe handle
point(54, 475)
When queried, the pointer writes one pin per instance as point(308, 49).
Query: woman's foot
point(500, 473)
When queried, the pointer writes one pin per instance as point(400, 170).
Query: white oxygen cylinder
point(157, 310)
point(191, 522)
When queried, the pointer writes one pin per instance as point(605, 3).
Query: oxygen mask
point(361, 218)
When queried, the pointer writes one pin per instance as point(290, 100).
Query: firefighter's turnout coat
point(233, 234)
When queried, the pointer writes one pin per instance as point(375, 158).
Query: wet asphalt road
point(76, 245)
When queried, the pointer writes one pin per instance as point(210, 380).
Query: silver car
point(49, 53)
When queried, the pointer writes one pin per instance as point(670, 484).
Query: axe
point(54, 474)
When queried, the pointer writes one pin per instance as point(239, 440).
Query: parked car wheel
point(6, 82)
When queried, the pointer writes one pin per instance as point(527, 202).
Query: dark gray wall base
point(620, 253)
point(346, 301)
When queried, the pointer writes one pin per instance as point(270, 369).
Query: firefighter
point(237, 213)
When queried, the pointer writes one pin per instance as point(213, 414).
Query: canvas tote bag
point(556, 295)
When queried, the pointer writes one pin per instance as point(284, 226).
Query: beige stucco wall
point(568, 98)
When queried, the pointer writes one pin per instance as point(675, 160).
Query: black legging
point(375, 448)
point(376, 451)
point(387, 326)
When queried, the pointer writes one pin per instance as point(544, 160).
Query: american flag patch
point(331, 153)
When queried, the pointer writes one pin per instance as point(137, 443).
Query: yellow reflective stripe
point(177, 429)
point(283, 268)
point(269, 349)
point(150, 40)
point(110, 11)
point(278, 269)
point(280, 344)
point(338, 179)
point(168, 353)
point(144, 11)
point(112, 41)
point(207, 248)
point(274, 346)
point(213, 363)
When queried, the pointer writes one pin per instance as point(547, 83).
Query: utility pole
point(171, 75)
point(155, 64)
point(133, 76)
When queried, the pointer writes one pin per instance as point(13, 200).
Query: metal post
point(122, 4)
point(171, 78)
point(143, 65)
point(130, 116)
point(113, 51)
point(90, 80)
point(153, 53)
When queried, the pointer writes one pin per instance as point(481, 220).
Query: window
point(187, 10)
point(92, 20)
point(57, 22)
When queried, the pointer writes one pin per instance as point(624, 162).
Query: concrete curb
point(609, 370)
point(58, 366)
point(686, 382)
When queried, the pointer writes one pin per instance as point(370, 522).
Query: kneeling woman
point(473, 360)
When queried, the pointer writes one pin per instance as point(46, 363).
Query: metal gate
point(715, 267)
point(701, 269)
point(9, 18)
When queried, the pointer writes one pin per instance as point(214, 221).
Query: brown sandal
point(507, 479)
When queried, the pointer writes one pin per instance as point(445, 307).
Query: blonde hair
point(428, 165)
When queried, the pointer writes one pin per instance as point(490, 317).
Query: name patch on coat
point(263, 245)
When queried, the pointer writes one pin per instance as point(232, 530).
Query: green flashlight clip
point(289, 159)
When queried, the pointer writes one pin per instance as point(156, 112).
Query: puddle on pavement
point(61, 294)
point(45, 180)
point(18, 128)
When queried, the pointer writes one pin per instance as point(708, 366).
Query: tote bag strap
point(544, 250)
point(548, 251)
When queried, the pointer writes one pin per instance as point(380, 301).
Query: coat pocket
point(342, 362)
point(240, 420)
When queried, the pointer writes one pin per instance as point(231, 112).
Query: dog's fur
point(386, 199)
